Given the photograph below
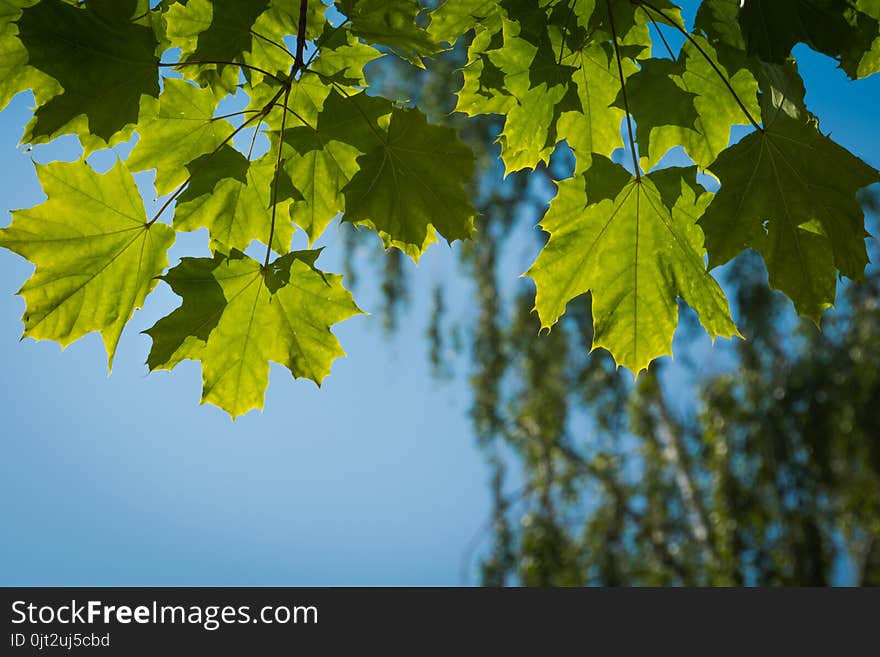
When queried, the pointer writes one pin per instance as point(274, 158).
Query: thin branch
point(675, 453)
point(478, 536)
point(661, 550)
point(223, 63)
point(629, 127)
point(299, 63)
point(647, 6)
point(232, 114)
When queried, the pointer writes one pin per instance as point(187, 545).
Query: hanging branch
point(222, 63)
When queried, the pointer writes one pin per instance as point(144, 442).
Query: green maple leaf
point(782, 90)
point(550, 80)
point(180, 129)
point(588, 122)
point(96, 256)
point(341, 58)
point(636, 246)
point(232, 197)
point(483, 90)
point(183, 333)
point(319, 169)
point(339, 68)
point(15, 73)
point(454, 18)
point(656, 79)
point(413, 182)
point(698, 110)
point(391, 23)
point(789, 193)
point(844, 29)
point(215, 30)
point(631, 23)
point(537, 87)
point(867, 62)
point(233, 31)
point(237, 316)
point(321, 159)
point(104, 61)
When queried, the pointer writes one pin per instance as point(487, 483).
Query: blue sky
point(373, 479)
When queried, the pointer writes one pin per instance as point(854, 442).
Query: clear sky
point(374, 479)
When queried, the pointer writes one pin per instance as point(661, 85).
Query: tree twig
point(220, 62)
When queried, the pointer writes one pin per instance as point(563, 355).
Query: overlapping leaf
point(391, 23)
point(844, 29)
point(454, 18)
point(321, 159)
point(411, 183)
point(789, 193)
point(698, 108)
point(184, 119)
point(237, 317)
point(213, 35)
point(16, 74)
point(545, 68)
point(231, 196)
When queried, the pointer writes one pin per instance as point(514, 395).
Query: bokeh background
point(454, 445)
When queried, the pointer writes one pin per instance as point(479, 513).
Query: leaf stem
point(253, 141)
point(647, 6)
point(277, 179)
point(565, 31)
point(297, 115)
point(224, 63)
point(629, 127)
point(298, 65)
point(234, 114)
point(660, 34)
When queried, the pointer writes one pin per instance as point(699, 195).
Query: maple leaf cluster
point(587, 73)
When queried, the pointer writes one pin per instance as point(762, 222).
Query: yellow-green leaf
point(635, 245)
point(96, 256)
